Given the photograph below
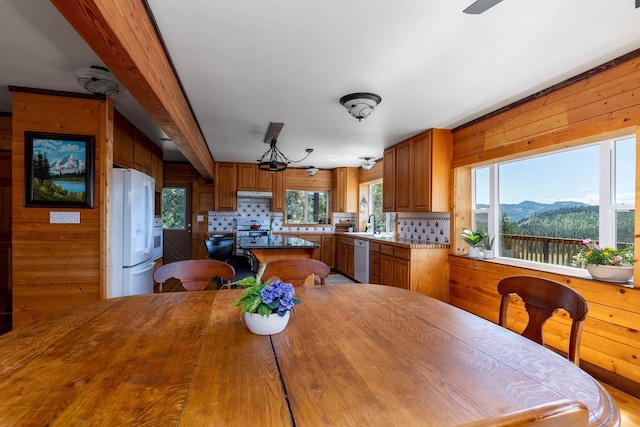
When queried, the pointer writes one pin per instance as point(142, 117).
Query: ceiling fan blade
point(480, 6)
point(273, 132)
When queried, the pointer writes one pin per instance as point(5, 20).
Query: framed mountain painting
point(58, 170)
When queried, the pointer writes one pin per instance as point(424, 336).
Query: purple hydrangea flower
point(280, 292)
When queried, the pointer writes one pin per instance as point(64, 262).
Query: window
point(541, 208)
point(385, 222)
point(173, 208)
point(307, 207)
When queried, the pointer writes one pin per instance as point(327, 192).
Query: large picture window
point(541, 208)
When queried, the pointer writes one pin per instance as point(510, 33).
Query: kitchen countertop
point(278, 242)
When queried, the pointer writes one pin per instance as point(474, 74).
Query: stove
point(252, 228)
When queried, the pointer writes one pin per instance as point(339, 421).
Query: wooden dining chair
point(542, 297)
point(562, 413)
point(296, 270)
point(194, 275)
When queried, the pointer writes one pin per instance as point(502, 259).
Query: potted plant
point(488, 246)
point(474, 239)
point(266, 306)
point(606, 263)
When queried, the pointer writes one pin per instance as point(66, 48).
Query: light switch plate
point(64, 217)
point(200, 218)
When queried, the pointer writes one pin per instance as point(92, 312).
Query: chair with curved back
point(296, 270)
point(542, 297)
point(194, 275)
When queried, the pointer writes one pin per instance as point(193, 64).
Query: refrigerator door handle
point(149, 198)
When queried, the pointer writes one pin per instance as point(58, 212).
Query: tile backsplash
point(431, 227)
point(426, 227)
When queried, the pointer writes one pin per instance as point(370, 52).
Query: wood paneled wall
point(297, 179)
point(58, 265)
point(603, 105)
point(201, 202)
point(5, 132)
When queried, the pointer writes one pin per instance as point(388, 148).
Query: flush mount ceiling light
point(97, 80)
point(368, 163)
point(273, 160)
point(311, 171)
point(360, 104)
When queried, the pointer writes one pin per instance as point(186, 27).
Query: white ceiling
point(244, 64)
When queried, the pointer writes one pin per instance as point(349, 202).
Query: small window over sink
point(307, 207)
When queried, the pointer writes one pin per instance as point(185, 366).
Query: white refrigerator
point(132, 214)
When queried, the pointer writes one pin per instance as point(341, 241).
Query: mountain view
point(68, 165)
point(569, 220)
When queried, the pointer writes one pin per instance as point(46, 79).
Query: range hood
point(255, 194)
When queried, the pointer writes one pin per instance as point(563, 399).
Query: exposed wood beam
point(124, 37)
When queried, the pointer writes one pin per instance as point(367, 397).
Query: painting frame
point(48, 153)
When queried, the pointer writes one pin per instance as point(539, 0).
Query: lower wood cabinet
point(421, 270)
point(327, 250)
point(345, 256)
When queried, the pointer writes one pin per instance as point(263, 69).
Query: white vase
point(610, 273)
point(474, 252)
point(488, 254)
point(266, 325)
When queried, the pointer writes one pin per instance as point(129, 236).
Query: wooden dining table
point(351, 355)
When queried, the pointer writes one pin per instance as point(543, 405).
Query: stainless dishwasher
point(361, 260)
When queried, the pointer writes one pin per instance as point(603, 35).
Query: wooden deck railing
point(549, 250)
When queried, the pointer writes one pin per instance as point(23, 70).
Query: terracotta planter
point(266, 325)
point(610, 273)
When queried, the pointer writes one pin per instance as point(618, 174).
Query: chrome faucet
point(374, 225)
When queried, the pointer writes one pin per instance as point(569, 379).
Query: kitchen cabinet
point(374, 263)
point(133, 149)
point(251, 178)
point(345, 189)
point(225, 176)
point(417, 173)
point(345, 259)
point(327, 250)
point(278, 198)
point(389, 180)
point(386, 265)
point(124, 141)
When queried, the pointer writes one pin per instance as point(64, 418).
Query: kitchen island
point(271, 248)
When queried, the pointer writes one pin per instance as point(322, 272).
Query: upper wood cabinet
point(278, 199)
point(345, 189)
point(124, 141)
point(225, 176)
point(389, 180)
point(417, 173)
point(251, 178)
point(133, 149)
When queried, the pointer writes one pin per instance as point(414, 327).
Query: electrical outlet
point(64, 217)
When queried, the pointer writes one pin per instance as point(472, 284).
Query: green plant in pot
point(474, 239)
point(488, 246)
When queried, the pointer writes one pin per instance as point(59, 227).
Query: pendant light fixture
point(273, 160)
point(360, 104)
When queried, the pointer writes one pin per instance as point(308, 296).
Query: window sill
point(547, 268)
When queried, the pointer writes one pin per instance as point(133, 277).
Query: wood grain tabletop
point(351, 355)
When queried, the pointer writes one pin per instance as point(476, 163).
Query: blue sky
point(570, 175)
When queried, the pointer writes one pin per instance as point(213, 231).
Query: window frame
point(607, 193)
point(286, 221)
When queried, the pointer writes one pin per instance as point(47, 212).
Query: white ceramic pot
point(474, 252)
point(610, 273)
point(488, 254)
point(266, 325)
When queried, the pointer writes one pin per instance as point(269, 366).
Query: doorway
point(176, 221)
